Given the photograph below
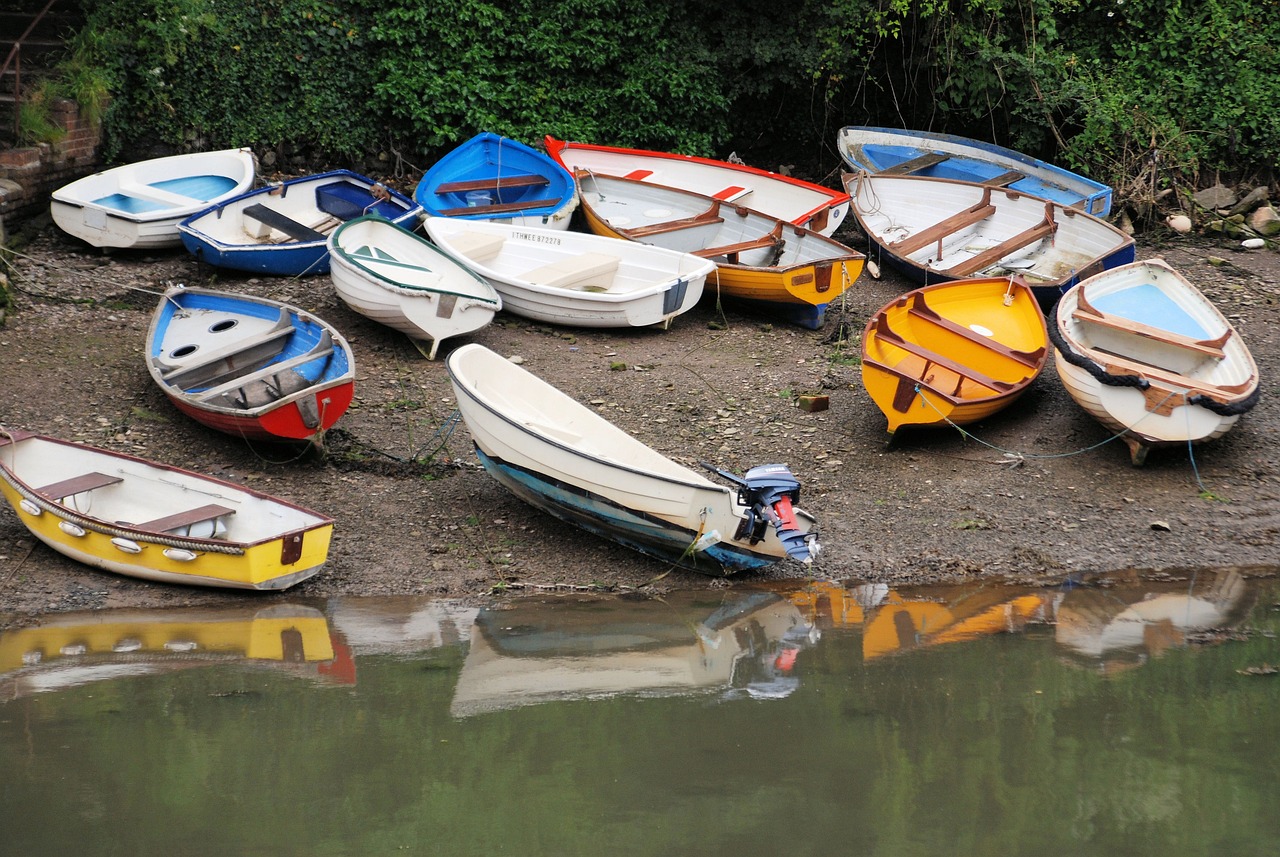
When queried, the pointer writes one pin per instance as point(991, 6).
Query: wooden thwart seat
point(914, 165)
point(883, 331)
point(1086, 312)
point(77, 485)
point(179, 520)
point(520, 180)
point(732, 250)
point(978, 212)
point(1004, 179)
point(282, 223)
point(702, 218)
point(989, 257)
point(920, 309)
point(1116, 364)
point(499, 207)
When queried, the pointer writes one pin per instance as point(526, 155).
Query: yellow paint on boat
point(953, 352)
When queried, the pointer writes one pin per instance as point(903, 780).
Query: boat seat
point(323, 348)
point(730, 251)
point(478, 246)
point(501, 207)
point(915, 165)
point(920, 309)
point(179, 520)
point(575, 270)
point(987, 258)
point(155, 194)
point(1089, 314)
point(281, 223)
point(246, 351)
point(702, 218)
point(1004, 179)
point(520, 180)
point(885, 333)
point(77, 485)
point(974, 214)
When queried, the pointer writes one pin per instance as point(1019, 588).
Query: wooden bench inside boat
point(598, 268)
point(520, 180)
point(920, 309)
point(190, 517)
point(282, 223)
point(242, 354)
point(702, 218)
point(1086, 312)
point(1117, 364)
point(990, 256)
point(730, 251)
point(77, 485)
point(500, 207)
point(1004, 179)
point(268, 373)
point(978, 212)
point(915, 165)
point(884, 332)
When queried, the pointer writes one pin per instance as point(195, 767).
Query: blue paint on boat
point(127, 204)
point(198, 187)
point(489, 157)
point(1150, 305)
point(635, 529)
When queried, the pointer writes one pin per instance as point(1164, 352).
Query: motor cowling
point(770, 492)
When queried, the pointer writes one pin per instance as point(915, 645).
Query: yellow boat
point(953, 353)
point(138, 518)
point(779, 268)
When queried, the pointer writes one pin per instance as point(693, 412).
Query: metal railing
point(15, 59)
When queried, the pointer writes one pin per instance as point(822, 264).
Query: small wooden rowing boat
point(249, 366)
point(283, 229)
point(490, 177)
point(562, 457)
point(803, 203)
point(138, 518)
point(1148, 355)
point(953, 353)
point(938, 229)
point(893, 151)
point(573, 278)
point(139, 205)
point(778, 268)
point(397, 278)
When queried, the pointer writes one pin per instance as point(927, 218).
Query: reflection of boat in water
point(1147, 619)
point(74, 649)
point(399, 624)
point(536, 651)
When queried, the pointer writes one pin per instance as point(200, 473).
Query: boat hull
point(571, 278)
point(249, 367)
point(283, 230)
point(787, 198)
point(564, 458)
point(935, 230)
point(396, 278)
point(945, 156)
point(491, 177)
point(260, 543)
point(1146, 354)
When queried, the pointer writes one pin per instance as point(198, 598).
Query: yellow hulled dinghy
point(138, 518)
point(953, 353)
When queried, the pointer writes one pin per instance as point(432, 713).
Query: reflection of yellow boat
point(529, 654)
point(953, 352)
point(75, 648)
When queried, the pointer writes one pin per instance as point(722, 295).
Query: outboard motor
point(769, 492)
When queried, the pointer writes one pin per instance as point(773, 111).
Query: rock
point(1216, 197)
point(1216, 261)
point(516, 359)
point(1265, 221)
point(1161, 526)
point(813, 403)
point(1252, 200)
point(1253, 243)
point(1179, 223)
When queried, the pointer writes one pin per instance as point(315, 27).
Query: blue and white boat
point(1145, 353)
point(922, 153)
point(490, 177)
point(560, 456)
point(283, 229)
point(139, 205)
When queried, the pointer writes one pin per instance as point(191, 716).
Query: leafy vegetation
point(1138, 93)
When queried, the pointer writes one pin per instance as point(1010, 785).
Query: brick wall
point(29, 174)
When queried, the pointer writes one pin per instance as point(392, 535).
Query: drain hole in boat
point(225, 324)
point(184, 351)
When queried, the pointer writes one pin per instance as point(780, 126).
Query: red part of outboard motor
point(769, 492)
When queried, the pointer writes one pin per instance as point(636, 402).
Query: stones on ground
point(1179, 223)
point(1251, 200)
point(1265, 221)
point(1218, 196)
point(1253, 243)
point(1161, 526)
